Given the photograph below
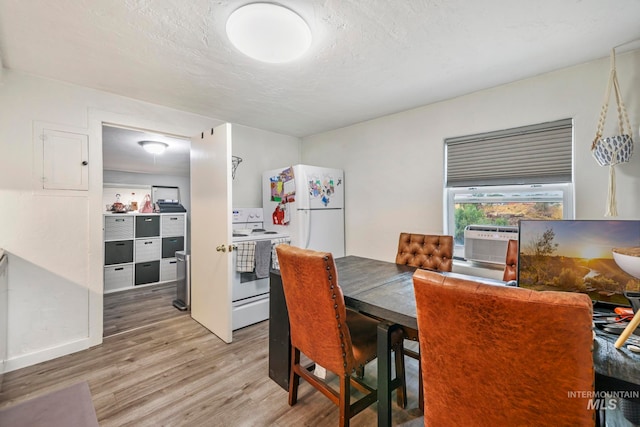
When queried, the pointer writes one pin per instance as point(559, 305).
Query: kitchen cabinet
point(139, 249)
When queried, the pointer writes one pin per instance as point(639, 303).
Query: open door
point(211, 211)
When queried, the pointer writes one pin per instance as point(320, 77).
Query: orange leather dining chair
point(511, 262)
point(324, 330)
point(503, 356)
point(432, 252)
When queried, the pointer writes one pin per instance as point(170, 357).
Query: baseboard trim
point(36, 357)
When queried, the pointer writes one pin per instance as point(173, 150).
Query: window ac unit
point(488, 243)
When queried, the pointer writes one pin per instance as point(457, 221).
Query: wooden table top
point(385, 290)
point(381, 289)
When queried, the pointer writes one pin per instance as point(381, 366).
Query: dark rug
point(71, 406)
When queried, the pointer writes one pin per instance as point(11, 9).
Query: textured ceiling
point(369, 58)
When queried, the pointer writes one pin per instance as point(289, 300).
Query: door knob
point(221, 248)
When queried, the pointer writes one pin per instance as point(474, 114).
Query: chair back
point(503, 355)
point(433, 252)
point(317, 314)
point(511, 262)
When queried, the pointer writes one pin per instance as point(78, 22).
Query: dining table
point(384, 290)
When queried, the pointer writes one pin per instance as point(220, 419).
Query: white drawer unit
point(168, 269)
point(118, 277)
point(118, 227)
point(172, 225)
point(148, 249)
point(139, 249)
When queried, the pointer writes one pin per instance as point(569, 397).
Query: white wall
point(260, 151)
point(55, 239)
point(4, 305)
point(394, 164)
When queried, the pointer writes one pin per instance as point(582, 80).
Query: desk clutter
point(141, 199)
point(621, 324)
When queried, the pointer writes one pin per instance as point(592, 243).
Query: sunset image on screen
point(591, 252)
point(576, 256)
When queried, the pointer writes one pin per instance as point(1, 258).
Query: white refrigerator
point(307, 203)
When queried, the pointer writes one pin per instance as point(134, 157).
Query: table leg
point(384, 373)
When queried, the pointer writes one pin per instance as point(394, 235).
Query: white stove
point(247, 225)
point(250, 294)
point(258, 235)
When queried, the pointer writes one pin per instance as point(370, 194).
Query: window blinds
point(536, 154)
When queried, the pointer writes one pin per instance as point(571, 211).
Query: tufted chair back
point(317, 313)
point(511, 263)
point(503, 356)
point(432, 252)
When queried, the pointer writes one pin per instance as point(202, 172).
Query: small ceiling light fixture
point(268, 32)
point(154, 147)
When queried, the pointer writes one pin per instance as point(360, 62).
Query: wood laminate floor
point(174, 372)
point(139, 307)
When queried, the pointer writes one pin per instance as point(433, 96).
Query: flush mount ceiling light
point(268, 32)
point(154, 147)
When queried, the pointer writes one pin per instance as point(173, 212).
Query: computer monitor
point(577, 256)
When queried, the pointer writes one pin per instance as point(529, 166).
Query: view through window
point(504, 206)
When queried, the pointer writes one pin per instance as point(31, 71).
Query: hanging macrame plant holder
point(613, 150)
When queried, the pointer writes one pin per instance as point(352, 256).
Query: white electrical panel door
point(65, 160)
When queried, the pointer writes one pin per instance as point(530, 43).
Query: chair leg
point(401, 394)
point(420, 388)
point(345, 400)
point(294, 378)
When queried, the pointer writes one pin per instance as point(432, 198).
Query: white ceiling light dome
point(154, 147)
point(268, 32)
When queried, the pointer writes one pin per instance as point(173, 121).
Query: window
point(498, 178)
point(504, 206)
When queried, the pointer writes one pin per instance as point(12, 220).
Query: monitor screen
point(577, 256)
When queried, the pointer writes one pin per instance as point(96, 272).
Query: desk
point(385, 290)
point(616, 369)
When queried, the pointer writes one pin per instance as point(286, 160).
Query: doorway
point(129, 173)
